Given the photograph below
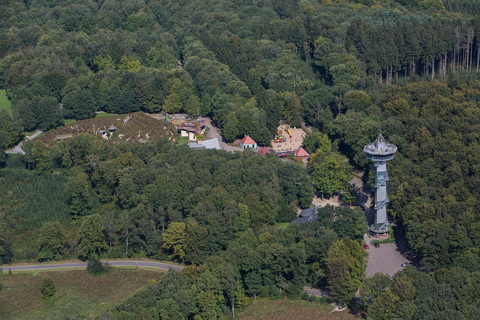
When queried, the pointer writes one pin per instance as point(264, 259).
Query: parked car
point(376, 244)
point(406, 264)
point(366, 246)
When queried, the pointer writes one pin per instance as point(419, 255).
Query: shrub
point(48, 288)
point(304, 295)
point(95, 267)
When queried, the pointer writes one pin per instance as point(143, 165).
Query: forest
point(344, 67)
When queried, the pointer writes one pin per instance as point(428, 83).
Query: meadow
point(4, 102)
point(293, 309)
point(78, 294)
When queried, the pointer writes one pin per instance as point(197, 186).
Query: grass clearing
point(78, 293)
point(4, 102)
point(282, 225)
point(292, 309)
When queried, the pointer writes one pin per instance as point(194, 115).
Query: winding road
point(148, 264)
point(18, 147)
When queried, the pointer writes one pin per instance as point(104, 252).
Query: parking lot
point(385, 259)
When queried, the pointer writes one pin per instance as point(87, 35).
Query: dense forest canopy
point(344, 67)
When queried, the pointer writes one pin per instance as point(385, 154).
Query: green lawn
point(4, 102)
point(282, 225)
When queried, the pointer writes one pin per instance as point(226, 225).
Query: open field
point(291, 310)
point(78, 293)
point(4, 102)
point(130, 127)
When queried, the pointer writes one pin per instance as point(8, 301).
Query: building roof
point(193, 126)
point(301, 153)
point(263, 151)
point(207, 144)
point(211, 144)
point(196, 145)
point(309, 214)
point(380, 147)
point(247, 140)
point(112, 128)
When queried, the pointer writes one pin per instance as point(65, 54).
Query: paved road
point(315, 292)
point(149, 264)
point(18, 147)
point(214, 133)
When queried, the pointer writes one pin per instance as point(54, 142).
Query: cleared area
point(385, 259)
point(78, 294)
point(4, 102)
point(292, 309)
point(289, 144)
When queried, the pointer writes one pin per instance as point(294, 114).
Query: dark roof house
point(309, 214)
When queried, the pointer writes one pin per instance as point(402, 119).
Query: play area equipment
point(279, 137)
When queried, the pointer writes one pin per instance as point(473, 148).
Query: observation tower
point(380, 152)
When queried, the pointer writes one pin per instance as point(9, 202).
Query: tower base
point(383, 229)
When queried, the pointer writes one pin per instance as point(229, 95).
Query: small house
point(248, 143)
point(301, 153)
point(191, 129)
point(263, 151)
point(307, 215)
point(63, 136)
point(112, 129)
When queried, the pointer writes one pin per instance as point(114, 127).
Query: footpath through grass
point(4, 102)
point(292, 309)
point(78, 293)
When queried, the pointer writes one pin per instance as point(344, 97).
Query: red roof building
point(248, 142)
point(301, 153)
point(263, 151)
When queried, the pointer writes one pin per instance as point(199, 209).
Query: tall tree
point(91, 237)
point(346, 266)
point(52, 242)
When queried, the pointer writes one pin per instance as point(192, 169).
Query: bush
point(95, 267)
point(48, 288)
point(304, 295)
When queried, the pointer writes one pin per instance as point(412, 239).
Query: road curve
point(18, 147)
point(148, 264)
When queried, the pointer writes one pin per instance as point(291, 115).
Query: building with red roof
point(263, 151)
point(301, 153)
point(247, 142)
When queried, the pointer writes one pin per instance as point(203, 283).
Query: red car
point(366, 246)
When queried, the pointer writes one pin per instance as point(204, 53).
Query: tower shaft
point(380, 152)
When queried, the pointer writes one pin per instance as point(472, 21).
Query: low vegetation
point(137, 127)
point(292, 309)
point(5, 104)
point(75, 292)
